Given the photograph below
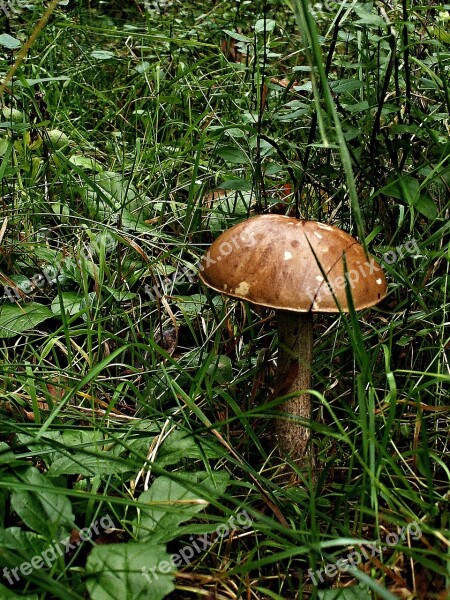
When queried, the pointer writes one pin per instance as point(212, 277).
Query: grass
point(133, 402)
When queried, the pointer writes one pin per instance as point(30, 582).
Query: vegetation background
point(133, 402)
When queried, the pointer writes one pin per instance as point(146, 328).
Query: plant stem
point(295, 343)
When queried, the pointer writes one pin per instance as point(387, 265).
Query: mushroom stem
point(293, 374)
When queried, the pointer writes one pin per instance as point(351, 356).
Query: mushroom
point(298, 268)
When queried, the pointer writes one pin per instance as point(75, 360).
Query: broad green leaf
point(4, 145)
point(409, 189)
point(232, 154)
point(241, 185)
point(234, 132)
point(173, 503)
point(191, 306)
point(265, 147)
point(133, 571)
point(12, 114)
point(346, 85)
point(17, 318)
point(367, 15)
point(238, 36)
point(120, 295)
point(6, 454)
point(351, 133)
point(8, 594)
point(41, 510)
point(60, 209)
point(441, 34)
point(355, 592)
point(24, 544)
point(181, 445)
point(58, 139)
point(405, 188)
point(116, 186)
point(88, 466)
point(44, 80)
point(7, 41)
point(110, 195)
point(358, 107)
point(228, 204)
point(221, 370)
point(102, 54)
point(142, 67)
point(135, 221)
point(269, 25)
point(52, 444)
point(426, 206)
point(86, 162)
point(22, 282)
point(72, 302)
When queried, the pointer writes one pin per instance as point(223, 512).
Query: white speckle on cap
point(323, 226)
point(317, 234)
point(225, 286)
point(324, 249)
point(319, 278)
point(379, 281)
point(242, 289)
point(287, 255)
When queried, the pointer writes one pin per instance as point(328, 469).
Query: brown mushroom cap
point(272, 260)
